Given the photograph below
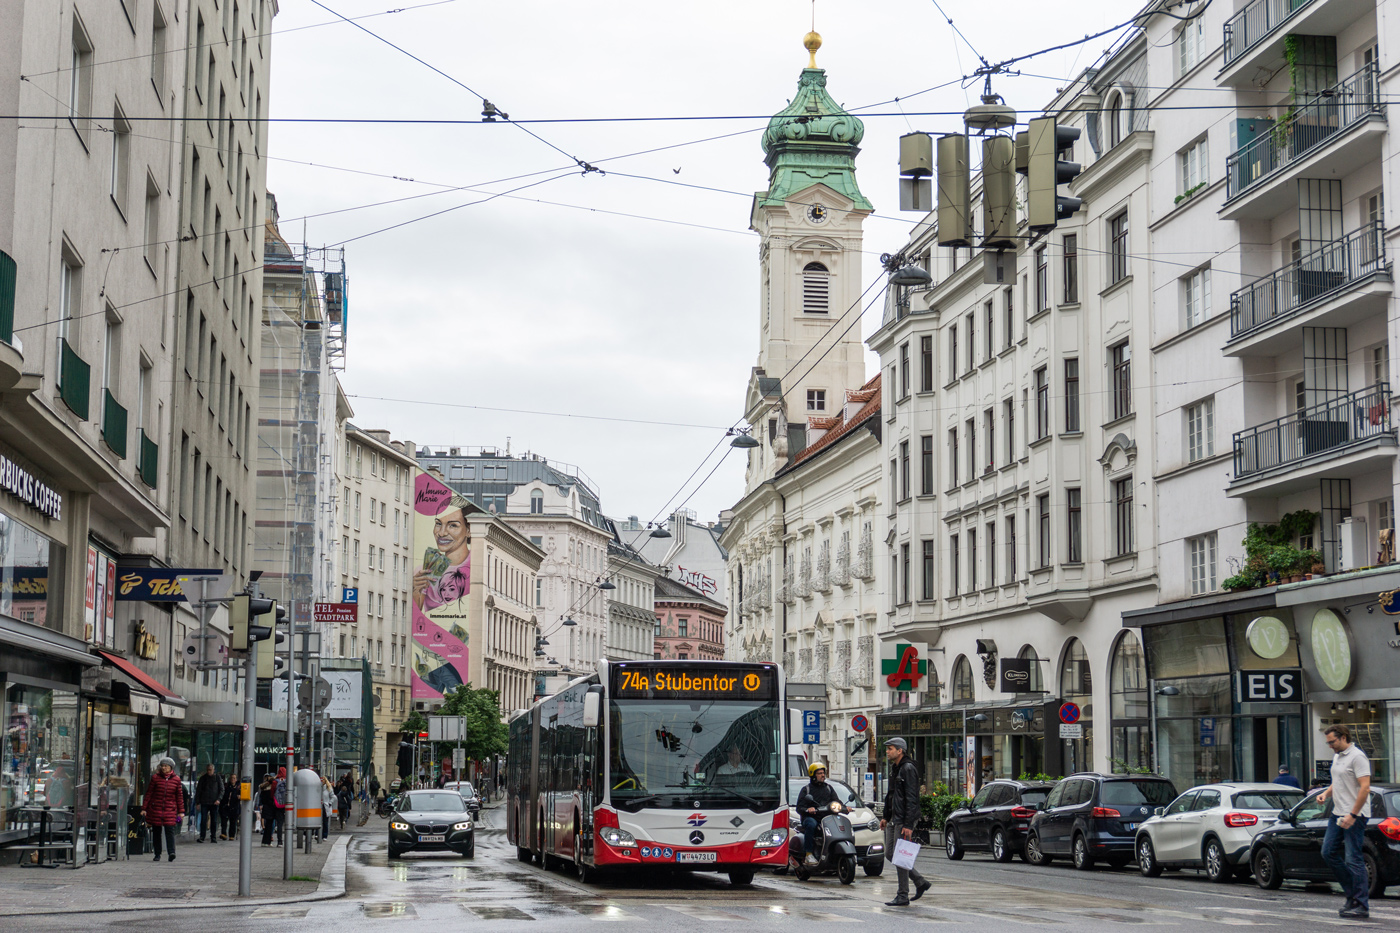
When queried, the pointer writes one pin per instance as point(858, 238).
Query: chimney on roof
point(379, 434)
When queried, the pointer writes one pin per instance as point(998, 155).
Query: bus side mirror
point(592, 708)
point(794, 726)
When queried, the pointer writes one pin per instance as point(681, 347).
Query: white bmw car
point(1211, 827)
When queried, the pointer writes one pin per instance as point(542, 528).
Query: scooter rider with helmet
point(813, 803)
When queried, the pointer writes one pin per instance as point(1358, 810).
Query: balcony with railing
point(1254, 37)
point(1331, 134)
point(113, 424)
point(74, 380)
point(1341, 437)
point(148, 459)
point(1333, 285)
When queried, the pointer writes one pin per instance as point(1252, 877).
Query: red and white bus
point(674, 764)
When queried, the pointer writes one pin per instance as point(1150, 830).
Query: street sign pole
point(245, 818)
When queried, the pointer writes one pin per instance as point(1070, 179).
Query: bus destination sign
point(718, 683)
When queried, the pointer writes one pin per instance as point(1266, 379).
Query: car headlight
point(465, 824)
point(774, 837)
point(618, 837)
point(400, 826)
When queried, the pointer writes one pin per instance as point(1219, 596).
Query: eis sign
point(902, 666)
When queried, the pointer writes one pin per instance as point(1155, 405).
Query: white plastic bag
point(905, 851)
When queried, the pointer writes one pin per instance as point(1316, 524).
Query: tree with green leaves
point(486, 732)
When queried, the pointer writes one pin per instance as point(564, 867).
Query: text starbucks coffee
point(24, 486)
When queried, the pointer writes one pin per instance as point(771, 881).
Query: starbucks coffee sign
point(27, 488)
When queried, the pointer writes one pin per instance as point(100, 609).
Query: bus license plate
point(438, 838)
point(697, 856)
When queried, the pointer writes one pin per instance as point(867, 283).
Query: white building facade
point(632, 604)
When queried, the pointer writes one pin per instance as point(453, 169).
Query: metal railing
point(149, 460)
point(1307, 128)
point(8, 278)
point(74, 379)
point(1309, 278)
point(113, 424)
point(1249, 26)
point(1332, 425)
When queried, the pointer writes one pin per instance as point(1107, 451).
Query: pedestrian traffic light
point(1046, 140)
point(954, 192)
point(241, 613)
point(270, 663)
point(998, 193)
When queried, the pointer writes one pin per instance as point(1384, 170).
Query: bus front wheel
point(741, 876)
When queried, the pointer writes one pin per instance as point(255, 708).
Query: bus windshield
point(687, 753)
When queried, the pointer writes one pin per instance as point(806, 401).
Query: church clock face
point(817, 214)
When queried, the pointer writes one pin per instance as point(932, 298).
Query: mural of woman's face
point(453, 585)
point(453, 534)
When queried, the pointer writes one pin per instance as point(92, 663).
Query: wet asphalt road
point(494, 892)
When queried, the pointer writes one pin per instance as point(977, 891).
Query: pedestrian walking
point(1350, 793)
point(163, 806)
point(373, 787)
point(208, 794)
point(901, 814)
point(230, 808)
point(1287, 779)
point(270, 800)
point(344, 798)
point(328, 804)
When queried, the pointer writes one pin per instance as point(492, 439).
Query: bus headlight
point(773, 837)
point(402, 827)
point(463, 825)
point(618, 837)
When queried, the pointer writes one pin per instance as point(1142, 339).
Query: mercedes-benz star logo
point(696, 838)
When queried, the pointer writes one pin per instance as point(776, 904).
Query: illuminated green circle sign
point(1267, 637)
point(1331, 649)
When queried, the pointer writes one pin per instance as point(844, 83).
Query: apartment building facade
point(631, 602)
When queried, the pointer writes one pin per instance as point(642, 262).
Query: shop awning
point(1201, 607)
point(148, 683)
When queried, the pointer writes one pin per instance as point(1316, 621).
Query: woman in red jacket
point(164, 805)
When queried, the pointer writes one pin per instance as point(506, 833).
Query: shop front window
point(29, 592)
point(963, 690)
point(42, 754)
point(1036, 684)
point(1076, 686)
point(1132, 728)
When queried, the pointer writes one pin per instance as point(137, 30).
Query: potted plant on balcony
point(1281, 559)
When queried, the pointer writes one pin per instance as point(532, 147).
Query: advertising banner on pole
point(346, 694)
point(442, 581)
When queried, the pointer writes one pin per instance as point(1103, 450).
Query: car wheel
point(952, 845)
point(1147, 858)
point(873, 866)
point(470, 851)
point(1218, 867)
point(741, 876)
point(1266, 871)
point(523, 854)
point(1001, 852)
point(1082, 859)
point(394, 852)
point(1375, 884)
point(1034, 853)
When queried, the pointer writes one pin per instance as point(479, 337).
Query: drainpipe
point(782, 503)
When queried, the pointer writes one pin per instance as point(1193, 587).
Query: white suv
point(1211, 827)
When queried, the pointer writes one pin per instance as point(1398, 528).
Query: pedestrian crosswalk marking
point(389, 910)
point(498, 912)
point(700, 913)
point(602, 912)
point(801, 913)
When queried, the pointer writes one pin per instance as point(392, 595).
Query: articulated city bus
point(664, 764)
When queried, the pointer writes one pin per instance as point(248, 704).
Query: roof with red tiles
point(869, 394)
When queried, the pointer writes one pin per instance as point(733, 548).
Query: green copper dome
point(812, 141)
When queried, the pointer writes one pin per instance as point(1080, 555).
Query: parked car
point(1091, 816)
point(468, 793)
point(995, 820)
point(1292, 847)
point(431, 820)
point(869, 838)
point(1211, 827)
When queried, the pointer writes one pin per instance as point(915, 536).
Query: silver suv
point(1211, 827)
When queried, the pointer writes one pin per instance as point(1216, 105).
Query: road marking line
point(802, 913)
point(278, 913)
point(602, 912)
point(700, 913)
point(497, 912)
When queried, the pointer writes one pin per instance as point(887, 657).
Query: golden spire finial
point(811, 42)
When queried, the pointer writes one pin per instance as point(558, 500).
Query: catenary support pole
point(250, 731)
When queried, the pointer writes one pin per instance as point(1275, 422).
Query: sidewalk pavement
point(202, 875)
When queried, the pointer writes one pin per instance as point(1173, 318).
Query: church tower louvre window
point(816, 287)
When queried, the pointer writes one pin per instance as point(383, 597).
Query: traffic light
point(998, 193)
point(915, 165)
point(1045, 141)
point(270, 662)
point(241, 613)
point(954, 192)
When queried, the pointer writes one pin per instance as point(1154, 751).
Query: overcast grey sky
point(597, 295)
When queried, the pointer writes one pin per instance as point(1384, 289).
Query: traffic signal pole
point(247, 792)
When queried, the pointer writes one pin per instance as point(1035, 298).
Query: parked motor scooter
point(835, 848)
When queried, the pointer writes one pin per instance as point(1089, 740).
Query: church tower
point(810, 220)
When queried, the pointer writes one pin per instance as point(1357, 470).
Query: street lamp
point(659, 531)
point(604, 584)
point(743, 439)
point(1168, 691)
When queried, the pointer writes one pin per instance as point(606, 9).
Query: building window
point(1191, 44)
point(991, 554)
point(1069, 260)
point(1042, 280)
point(816, 285)
point(816, 400)
point(1008, 313)
point(904, 370)
point(926, 363)
point(683, 628)
point(1194, 170)
point(1074, 523)
point(1071, 396)
point(971, 427)
point(80, 81)
point(929, 553)
point(971, 560)
point(1380, 365)
point(989, 422)
point(903, 470)
point(990, 329)
point(536, 502)
point(1118, 248)
point(1009, 412)
point(926, 465)
point(1200, 430)
point(1122, 359)
point(1114, 118)
point(1123, 516)
point(971, 320)
point(954, 557)
point(1195, 290)
point(952, 352)
point(904, 573)
point(953, 456)
point(1201, 554)
point(962, 680)
point(1128, 692)
point(1010, 549)
point(121, 158)
point(1042, 403)
point(1043, 509)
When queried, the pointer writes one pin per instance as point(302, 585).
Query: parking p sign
point(811, 726)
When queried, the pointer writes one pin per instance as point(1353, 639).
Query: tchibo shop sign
point(23, 485)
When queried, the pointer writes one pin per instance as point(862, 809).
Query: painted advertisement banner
point(100, 614)
point(441, 583)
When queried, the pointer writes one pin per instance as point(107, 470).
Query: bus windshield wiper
point(638, 801)
point(734, 793)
